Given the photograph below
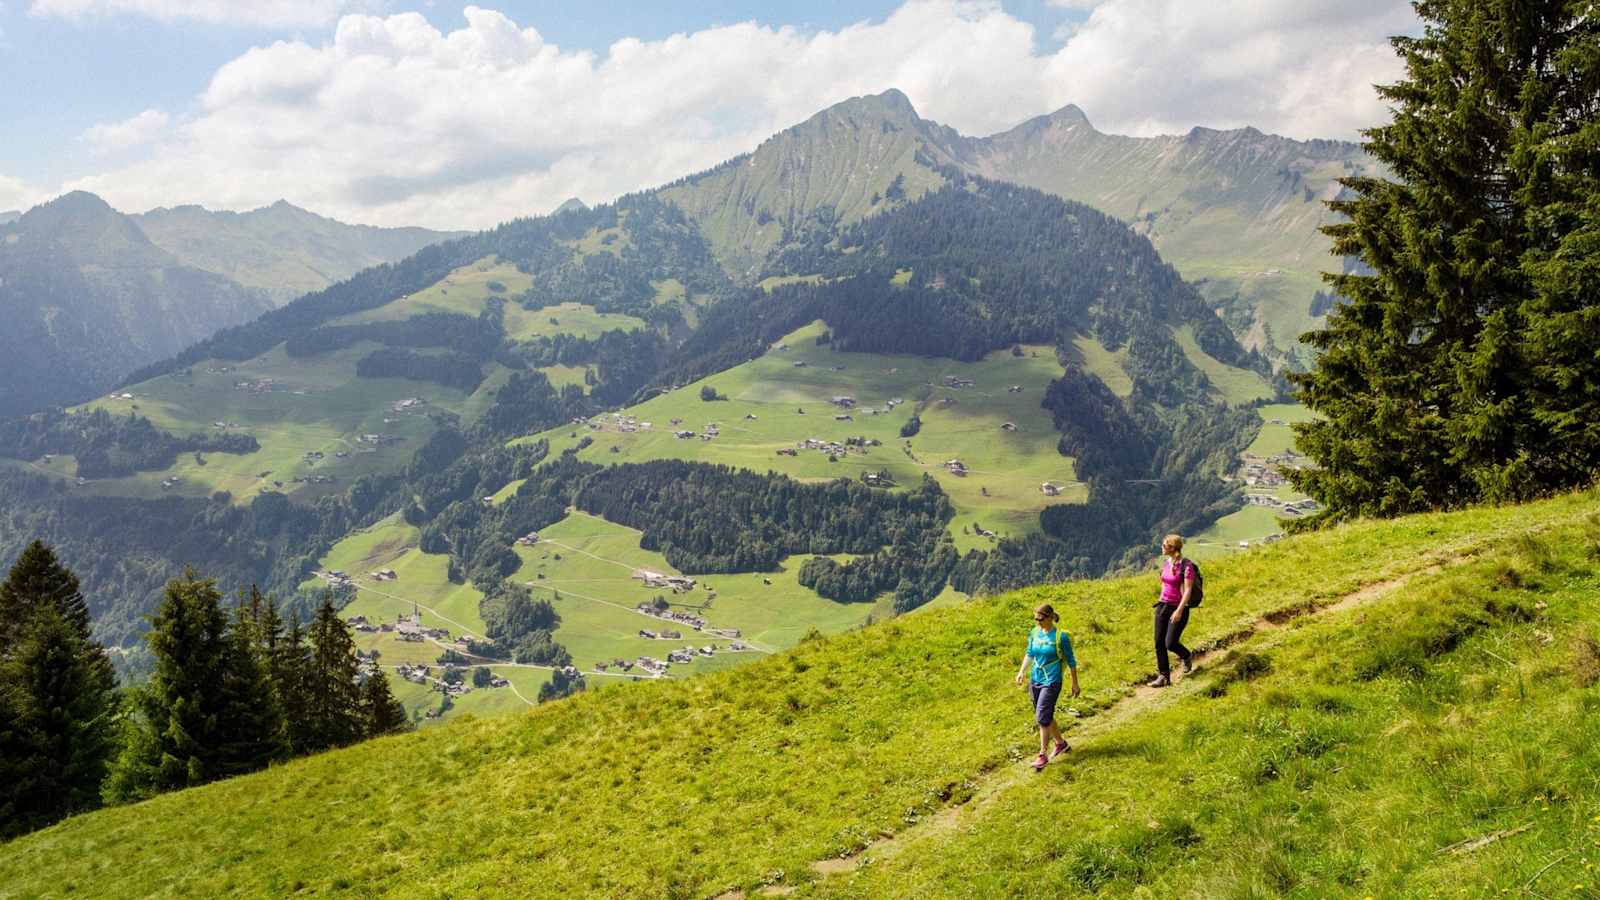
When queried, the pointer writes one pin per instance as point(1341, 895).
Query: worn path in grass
point(1142, 700)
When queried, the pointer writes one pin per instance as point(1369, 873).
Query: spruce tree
point(1461, 366)
point(38, 579)
point(289, 666)
point(251, 724)
point(57, 716)
point(178, 735)
point(383, 713)
point(334, 715)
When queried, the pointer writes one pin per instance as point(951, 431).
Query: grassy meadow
point(313, 405)
point(1408, 709)
point(583, 566)
point(317, 404)
point(773, 403)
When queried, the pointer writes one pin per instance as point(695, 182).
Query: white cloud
point(141, 129)
point(393, 121)
point(255, 13)
point(1299, 67)
point(15, 195)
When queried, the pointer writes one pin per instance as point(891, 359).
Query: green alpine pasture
point(300, 406)
point(1408, 709)
point(585, 567)
point(787, 396)
point(293, 407)
point(1277, 435)
point(467, 290)
point(1231, 385)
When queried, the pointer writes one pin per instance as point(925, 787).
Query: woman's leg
point(1175, 634)
point(1163, 616)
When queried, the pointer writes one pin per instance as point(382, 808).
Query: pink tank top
point(1172, 581)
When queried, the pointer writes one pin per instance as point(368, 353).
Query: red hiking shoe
point(1060, 748)
point(1039, 762)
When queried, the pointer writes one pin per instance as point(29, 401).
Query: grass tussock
point(1586, 658)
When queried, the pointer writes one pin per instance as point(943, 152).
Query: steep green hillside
point(1237, 211)
point(88, 298)
point(848, 161)
point(1387, 709)
point(281, 249)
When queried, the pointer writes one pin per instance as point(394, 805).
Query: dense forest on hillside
point(715, 519)
point(975, 267)
point(655, 242)
point(979, 266)
point(128, 548)
point(106, 446)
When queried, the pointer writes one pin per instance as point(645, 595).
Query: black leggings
point(1168, 632)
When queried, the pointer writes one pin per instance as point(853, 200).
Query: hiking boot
point(1039, 762)
point(1188, 664)
point(1060, 748)
point(1160, 681)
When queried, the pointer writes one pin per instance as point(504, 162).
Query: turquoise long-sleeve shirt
point(1047, 658)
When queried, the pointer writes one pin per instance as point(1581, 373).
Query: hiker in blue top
point(1048, 649)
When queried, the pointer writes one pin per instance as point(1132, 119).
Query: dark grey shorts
point(1044, 697)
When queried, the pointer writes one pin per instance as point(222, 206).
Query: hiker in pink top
point(1172, 610)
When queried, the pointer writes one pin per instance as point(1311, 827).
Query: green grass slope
point(294, 407)
point(583, 565)
point(1001, 491)
point(1402, 708)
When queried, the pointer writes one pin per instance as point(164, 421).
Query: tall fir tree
point(333, 693)
point(58, 705)
point(251, 723)
point(176, 732)
point(383, 714)
point(37, 579)
point(1462, 367)
point(289, 665)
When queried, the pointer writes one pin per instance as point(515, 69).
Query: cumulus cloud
point(141, 129)
point(1298, 67)
point(254, 13)
point(393, 121)
point(15, 195)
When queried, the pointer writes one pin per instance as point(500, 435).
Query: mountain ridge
point(96, 293)
point(1237, 211)
point(282, 249)
point(90, 297)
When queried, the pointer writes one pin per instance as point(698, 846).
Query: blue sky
point(62, 76)
point(441, 113)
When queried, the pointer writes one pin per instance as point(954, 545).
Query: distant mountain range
point(1236, 211)
point(281, 249)
point(91, 294)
